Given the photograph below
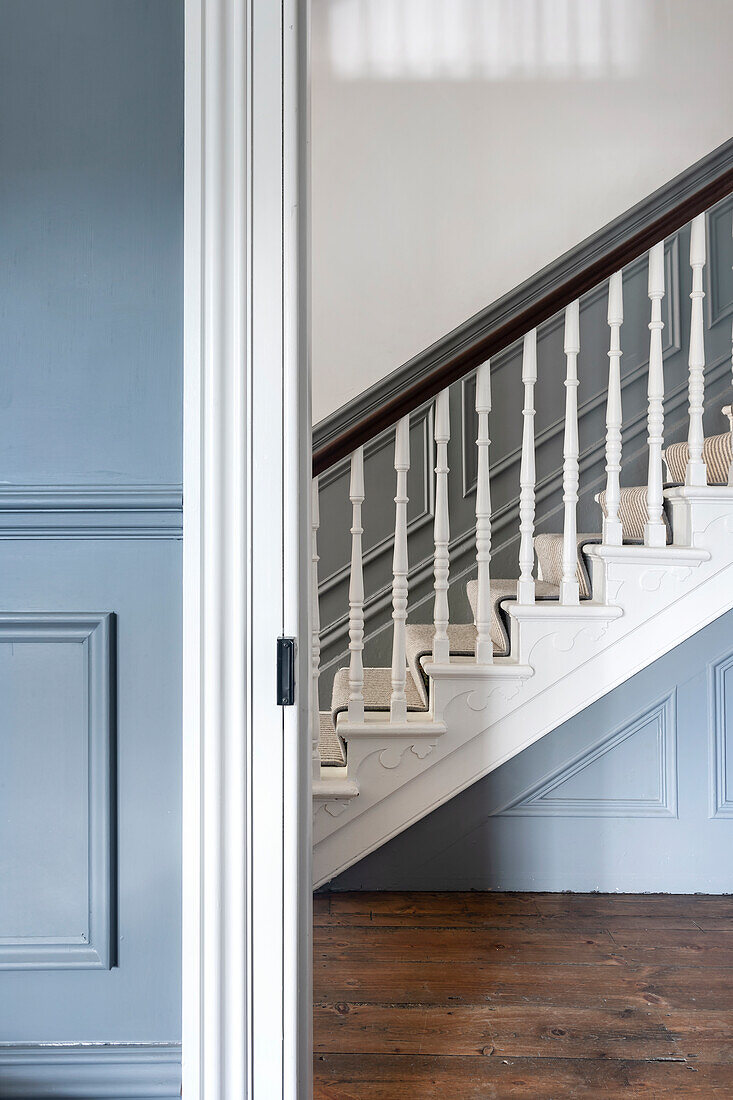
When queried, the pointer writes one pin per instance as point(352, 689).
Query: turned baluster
point(569, 589)
point(484, 645)
point(398, 702)
point(612, 530)
point(655, 533)
point(696, 473)
point(315, 637)
point(356, 592)
point(730, 469)
point(441, 648)
point(526, 585)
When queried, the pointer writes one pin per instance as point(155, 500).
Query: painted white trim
point(645, 602)
point(246, 858)
point(297, 498)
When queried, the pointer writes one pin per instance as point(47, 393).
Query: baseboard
point(89, 1071)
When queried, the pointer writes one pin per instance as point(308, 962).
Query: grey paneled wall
point(505, 430)
point(633, 794)
point(91, 192)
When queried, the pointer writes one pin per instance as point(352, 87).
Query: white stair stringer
point(334, 791)
point(645, 602)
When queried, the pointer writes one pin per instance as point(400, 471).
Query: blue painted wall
point(91, 176)
point(633, 794)
point(91, 194)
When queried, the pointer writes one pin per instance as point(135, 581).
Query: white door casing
point(246, 801)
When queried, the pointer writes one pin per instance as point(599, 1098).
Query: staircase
point(584, 612)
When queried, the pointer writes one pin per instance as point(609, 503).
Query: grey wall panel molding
point(599, 781)
point(720, 694)
point(720, 273)
point(89, 1071)
point(592, 366)
point(57, 682)
point(571, 263)
point(91, 511)
point(336, 479)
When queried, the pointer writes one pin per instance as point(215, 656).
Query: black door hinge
point(285, 672)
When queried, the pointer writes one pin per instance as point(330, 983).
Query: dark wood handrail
point(471, 357)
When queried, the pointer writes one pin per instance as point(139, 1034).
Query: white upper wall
point(461, 145)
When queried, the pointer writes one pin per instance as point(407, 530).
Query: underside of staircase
point(587, 611)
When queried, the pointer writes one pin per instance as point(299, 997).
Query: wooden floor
point(523, 995)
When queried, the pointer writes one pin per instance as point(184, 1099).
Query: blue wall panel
point(91, 194)
point(91, 171)
point(633, 794)
point(138, 999)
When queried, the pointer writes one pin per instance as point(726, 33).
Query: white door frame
point(246, 796)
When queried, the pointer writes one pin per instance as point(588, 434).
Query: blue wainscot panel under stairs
point(633, 794)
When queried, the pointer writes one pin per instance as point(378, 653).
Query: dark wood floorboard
point(543, 996)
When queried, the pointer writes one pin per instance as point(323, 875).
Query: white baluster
point(612, 529)
point(569, 589)
point(315, 637)
point(696, 473)
point(356, 592)
point(526, 585)
point(655, 532)
point(484, 645)
point(398, 703)
point(730, 469)
point(441, 648)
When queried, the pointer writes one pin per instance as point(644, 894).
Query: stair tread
point(330, 746)
point(377, 691)
point(548, 548)
point(632, 512)
point(717, 455)
point(504, 589)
